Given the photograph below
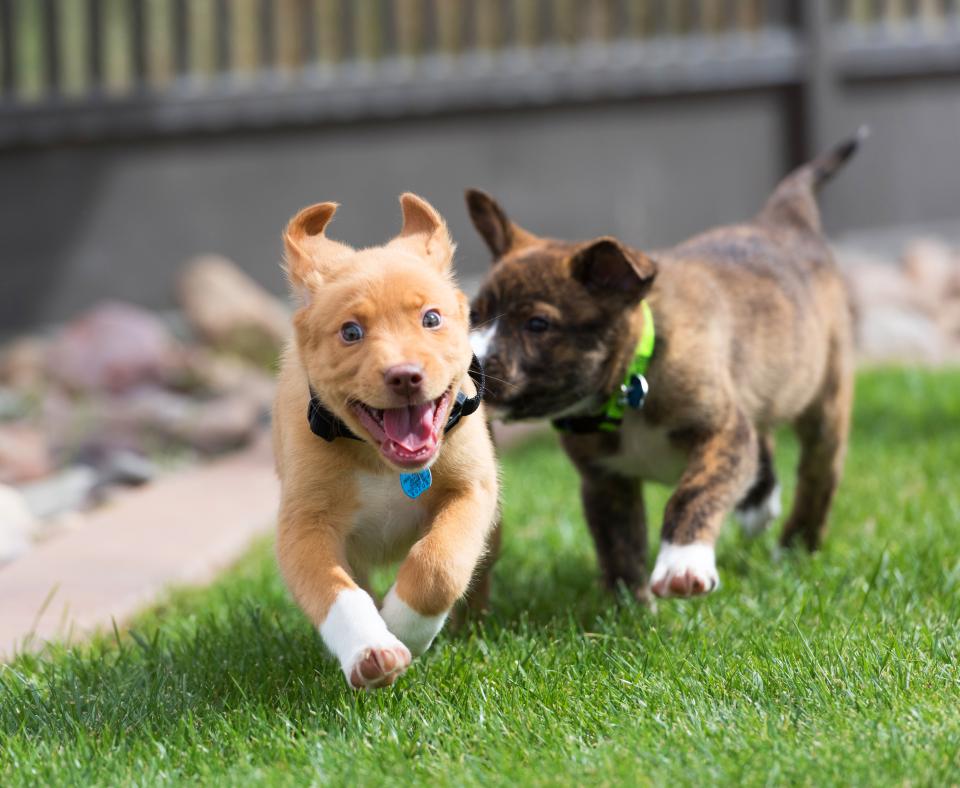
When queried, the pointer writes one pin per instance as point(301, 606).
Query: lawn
point(837, 668)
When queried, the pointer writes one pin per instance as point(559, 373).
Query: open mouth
point(408, 436)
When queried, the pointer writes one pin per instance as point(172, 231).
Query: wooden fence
point(82, 69)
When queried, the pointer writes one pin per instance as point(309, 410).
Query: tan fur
point(342, 511)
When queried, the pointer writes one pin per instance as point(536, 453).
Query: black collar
point(325, 425)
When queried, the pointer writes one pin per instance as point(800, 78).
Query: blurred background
point(152, 150)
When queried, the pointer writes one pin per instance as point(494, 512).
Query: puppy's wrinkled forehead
point(386, 284)
point(538, 277)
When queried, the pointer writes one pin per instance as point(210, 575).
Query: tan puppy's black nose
point(404, 379)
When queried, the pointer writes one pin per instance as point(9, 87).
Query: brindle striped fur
point(753, 331)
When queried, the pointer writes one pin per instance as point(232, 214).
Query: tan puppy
point(379, 355)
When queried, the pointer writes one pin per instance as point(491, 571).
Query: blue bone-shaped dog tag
point(415, 484)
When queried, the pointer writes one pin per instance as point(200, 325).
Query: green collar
point(631, 393)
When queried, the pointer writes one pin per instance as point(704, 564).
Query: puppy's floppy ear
point(605, 266)
point(307, 251)
point(424, 232)
point(493, 224)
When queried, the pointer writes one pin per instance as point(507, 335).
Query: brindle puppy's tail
point(794, 199)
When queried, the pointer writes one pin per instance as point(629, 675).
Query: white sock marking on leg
point(756, 519)
point(352, 626)
point(417, 631)
point(674, 560)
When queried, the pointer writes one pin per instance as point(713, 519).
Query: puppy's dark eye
point(474, 317)
point(431, 319)
point(537, 324)
point(351, 332)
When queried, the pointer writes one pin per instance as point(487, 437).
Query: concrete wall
point(84, 223)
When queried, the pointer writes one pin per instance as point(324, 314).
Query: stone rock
point(216, 373)
point(931, 266)
point(874, 283)
point(217, 425)
point(890, 333)
point(114, 347)
point(16, 524)
point(24, 454)
point(139, 419)
point(23, 363)
point(231, 311)
point(14, 404)
point(66, 491)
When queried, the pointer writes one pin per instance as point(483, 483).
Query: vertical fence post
point(222, 33)
point(819, 99)
point(267, 42)
point(50, 19)
point(181, 42)
point(8, 80)
point(138, 44)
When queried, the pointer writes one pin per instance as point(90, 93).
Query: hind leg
point(761, 505)
point(822, 430)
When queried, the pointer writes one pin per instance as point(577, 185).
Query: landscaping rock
point(217, 425)
point(67, 491)
point(876, 283)
point(23, 363)
point(24, 454)
point(16, 523)
point(889, 333)
point(931, 265)
point(231, 311)
point(114, 347)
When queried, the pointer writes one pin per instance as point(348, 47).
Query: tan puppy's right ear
point(308, 253)
point(500, 234)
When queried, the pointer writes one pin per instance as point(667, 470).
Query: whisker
point(487, 322)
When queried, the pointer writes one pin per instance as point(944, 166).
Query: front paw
point(684, 570)
point(416, 630)
point(378, 666)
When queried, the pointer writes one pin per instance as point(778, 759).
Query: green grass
point(836, 668)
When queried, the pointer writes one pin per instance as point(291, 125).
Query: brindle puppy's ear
point(308, 253)
point(606, 267)
point(501, 235)
point(424, 232)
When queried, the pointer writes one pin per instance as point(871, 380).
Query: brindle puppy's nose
point(404, 379)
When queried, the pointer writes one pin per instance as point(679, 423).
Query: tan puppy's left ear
point(308, 253)
point(424, 233)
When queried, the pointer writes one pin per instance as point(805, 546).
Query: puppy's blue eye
point(431, 319)
point(537, 324)
point(351, 332)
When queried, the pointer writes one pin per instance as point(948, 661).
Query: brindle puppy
point(753, 330)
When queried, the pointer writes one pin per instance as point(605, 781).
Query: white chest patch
point(647, 453)
point(482, 338)
point(387, 523)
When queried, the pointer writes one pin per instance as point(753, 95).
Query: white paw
point(369, 655)
point(684, 570)
point(416, 630)
point(378, 666)
point(756, 519)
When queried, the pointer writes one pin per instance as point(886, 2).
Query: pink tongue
point(411, 427)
